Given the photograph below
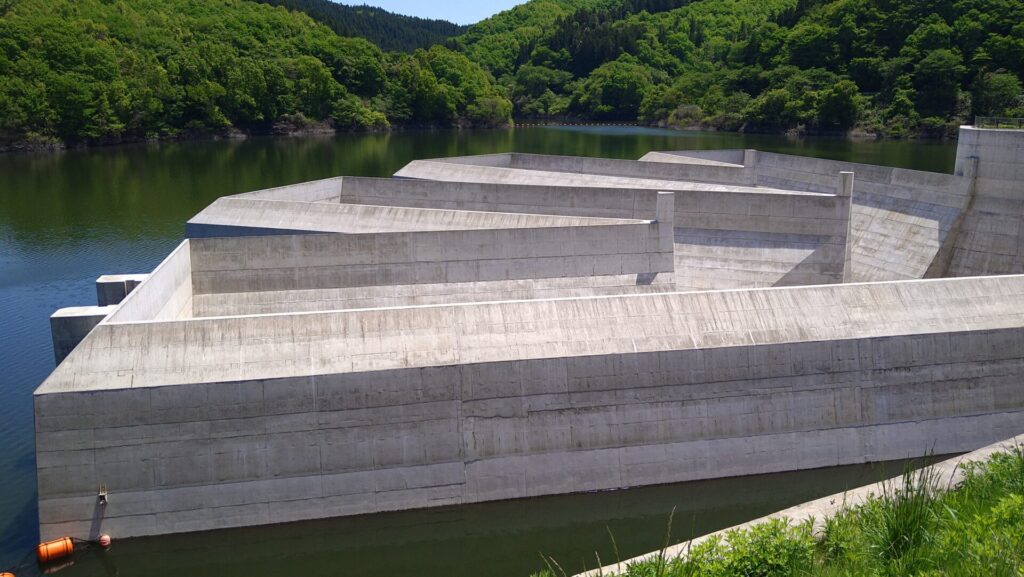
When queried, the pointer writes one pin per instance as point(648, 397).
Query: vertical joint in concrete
point(665, 210)
point(844, 190)
point(750, 166)
point(969, 171)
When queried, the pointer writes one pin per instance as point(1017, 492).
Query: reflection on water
point(66, 218)
point(503, 539)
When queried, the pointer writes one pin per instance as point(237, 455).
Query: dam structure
point(514, 325)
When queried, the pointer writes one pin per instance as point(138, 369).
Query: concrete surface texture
point(551, 325)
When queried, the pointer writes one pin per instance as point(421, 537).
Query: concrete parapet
point(68, 326)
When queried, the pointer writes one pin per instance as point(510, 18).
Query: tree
point(996, 93)
point(937, 81)
point(614, 90)
point(839, 106)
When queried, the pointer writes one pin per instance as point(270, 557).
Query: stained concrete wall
point(166, 294)
point(322, 261)
point(303, 416)
point(991, 239)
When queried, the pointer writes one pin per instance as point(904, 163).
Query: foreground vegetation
point(103, 71)
point(977, 529)
point(886, 66)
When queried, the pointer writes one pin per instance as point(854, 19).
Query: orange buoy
point(55, 549)
point(104, 542)
point(5, 574)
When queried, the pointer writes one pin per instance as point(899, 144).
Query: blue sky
point(458, 11)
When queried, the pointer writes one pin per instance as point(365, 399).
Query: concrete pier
point(111, 289)
point(70, 325)
point(512, 325)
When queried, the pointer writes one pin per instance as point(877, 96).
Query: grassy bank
point(975, 529)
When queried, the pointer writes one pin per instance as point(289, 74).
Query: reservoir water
point(68, 217)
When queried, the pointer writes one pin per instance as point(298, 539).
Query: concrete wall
point(741, 240)
point(735, 158)
point(901, 218)
point(628, 168)
point(903, 221)
point(166, 294)
point(257, 217)
point(991, 239)
point(726, 236)
point(560, 200)
point(331, 299)
point(312, 191)
point(316, 261)
point(631, 174)
point(486, 407)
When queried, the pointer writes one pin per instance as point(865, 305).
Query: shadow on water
point(68, 217)
point(503, 539)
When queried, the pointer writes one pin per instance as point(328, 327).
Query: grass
point(974, 530)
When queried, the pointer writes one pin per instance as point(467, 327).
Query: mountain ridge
point(390, 31)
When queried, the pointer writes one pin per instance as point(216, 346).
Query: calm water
point(69, 217)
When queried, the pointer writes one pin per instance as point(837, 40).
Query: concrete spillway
point(515, 325)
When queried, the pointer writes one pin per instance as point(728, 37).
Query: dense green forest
point(94, 71)
point(386, 30)
point(893, 67)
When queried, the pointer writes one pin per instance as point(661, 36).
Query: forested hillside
point(386, 30)
point(94, 71)
point(889, 66)
point(107, 70)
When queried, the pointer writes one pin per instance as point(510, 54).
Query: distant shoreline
point(53, 144)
